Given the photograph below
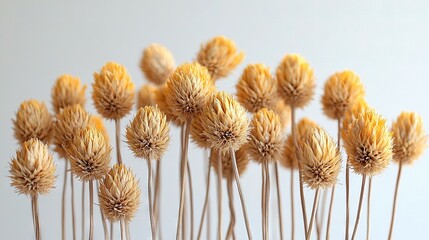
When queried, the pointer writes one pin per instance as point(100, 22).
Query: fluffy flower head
point(157, 63)
point(67, 91)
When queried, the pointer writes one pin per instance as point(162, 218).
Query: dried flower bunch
point(67, 91)
point(157, 64)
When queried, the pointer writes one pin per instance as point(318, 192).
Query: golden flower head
point(197, 132)
point(220, 56)
point(119, 194)
point(97, 123)
point(225, 123)
point(256, 88)
point(409, 137)
point(32, 171)
point(266, 137)
point(227, 169)
point(283, 111)
point(319, 158)
point(146, 96)
point(32, 120)
point(368, 143)
point(288, 160)
point(70, 122)
point(342, 90)
point(89, 154)
point(157, 63)
point(295, 81)
point(113, 91)
point(358, 107)
point(160, 101)
point(148, 135)
point(67, 91)
point(188, 90)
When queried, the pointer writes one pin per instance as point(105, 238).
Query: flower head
point(161, 102)
point(146, 96)
point(227, 169)
point(157, 63)
point(67, 91)
point(197, 132)
point(97, 123)
point(360, 106)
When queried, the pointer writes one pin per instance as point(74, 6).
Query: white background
point(385, 42)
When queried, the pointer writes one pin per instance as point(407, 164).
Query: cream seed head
point(157, 63)
point(146, 96)
point(67, 91)
point(227, 169)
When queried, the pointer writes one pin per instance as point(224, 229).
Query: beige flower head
point(146, 96)
point(283, 111)
point(70, 122)
point(67, 91)
point(256, 88)
point(148, 135)
point(409, 137)
point(32, 170)
point(266, 137)
point(119, 194)
point(342, 90)
point(220, 56)
point(157, 63)
point(225, 123)
point(160, 101)
point(227, 169)
point(197, 132)
point(97, 123)
point(295, 81)
point(288, 160)
point(113, 91)
point(320, 159)
point(32, 120)
point(368, 143)
point(188, 90)
point(89, 154)
point(360, 106)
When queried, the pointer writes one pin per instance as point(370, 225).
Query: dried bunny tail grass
point(146, 96)
point(197, 132)
point(288, 160)
point(368, 143)
point(164, 107)
point(90, 155)
point(32, 170)
point(97, 123)
point(295, 79)
point(220, 56)
point(225, 124)
point(320, 159)
point(266, 137)
point(119, 194)
point(341, 91)
point(409, 137)
point(256, 88)
point(33, 120)
point(70, 121)
point(148, 134)
point(283, 111)
point(67, 91)
point(157, 63)
point(113, 91)
point(227, 168)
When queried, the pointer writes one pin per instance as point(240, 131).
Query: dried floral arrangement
point(250, 126)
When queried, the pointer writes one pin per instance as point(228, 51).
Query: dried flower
point(148, 135)
point(256, 88)
point(225, 123)
point(320, 159)
point(157, 63)
point(33, 120)
point(97, 123)
point(197, 132)
point(358, 107)
point(146, 96)
point(410, 139)
point(341, 92)
point(164, 107)
point(266, 137)
point(283, 111)
point(90, 155)
point(119, 194)
point(67, 91)
point(227, 169)
point(32, 171)
point(219, 55)
point(295, 81)
point(113, 91)
point(368, 143)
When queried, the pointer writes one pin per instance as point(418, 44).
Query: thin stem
point(127, 230)
point(112, 228)
point(191, 197)
point(63, 202)
point(313, 213)
point(91, 210)
point(292, 205)
point(279, 199)
point(118, 140)
point(263, 185)
point(320, 219)
point(122, 223)
point(362, 191)
point(347, 198)
point(83, 210)
point(150, 202)
point(219, 197)
point(72, 205)
point(156, 204)
point(35, 212)
point(331, 204)
point(267, 199)
point(231, 227)
point(395, 198)
point(243, 204)
point(208, 215)
point(368, 209)
point(206, 200)
point(103, 221)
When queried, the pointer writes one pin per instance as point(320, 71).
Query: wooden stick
point(362, 191)
point(395, 198)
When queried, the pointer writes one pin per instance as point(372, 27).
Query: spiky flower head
point(161, 102)
point(266, 137)
point(146, 96)
point(67, 91)
point(368, 143)
point(283, 111)
point(148, 135)
point(119, 194)
point(358, 107)
point(113, 91)
point(89, 154)
point(241, 157)
point(319, 158)
point(97, 123)
point(32, 170)
point(256, 88)
point(225, 123)
point(32, 120)
point(342, 90)
point(220, 56)
point(409, 137)
point(197, 132)
point(157, 63)
point(295, 81)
